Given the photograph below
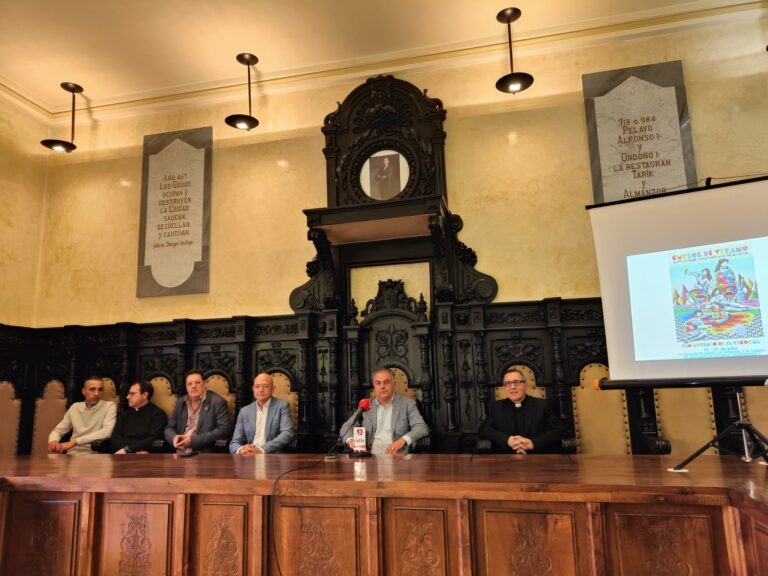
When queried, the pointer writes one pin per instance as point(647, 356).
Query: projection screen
point(680, 280)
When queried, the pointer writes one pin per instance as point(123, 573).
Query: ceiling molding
point(535, 42)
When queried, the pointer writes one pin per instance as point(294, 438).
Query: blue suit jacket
point(406, 419)
point(278, 431)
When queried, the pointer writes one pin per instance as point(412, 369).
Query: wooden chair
point(10, 414)
point(600, 417)
point(755, 407)
point(219, 384)
point(163, 397)
point(283, 392)
point(49, 410)
point(110, 392)
point(686, 418)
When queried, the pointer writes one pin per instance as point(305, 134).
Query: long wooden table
point(417, 514)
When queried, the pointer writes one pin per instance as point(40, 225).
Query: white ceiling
point(128, 50)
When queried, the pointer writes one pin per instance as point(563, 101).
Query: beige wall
point(517, 168)
point(22, 209)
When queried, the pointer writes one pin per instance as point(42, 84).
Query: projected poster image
point(715, 300)
point(712, 306)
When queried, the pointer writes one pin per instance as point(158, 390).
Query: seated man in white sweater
point(91, 420)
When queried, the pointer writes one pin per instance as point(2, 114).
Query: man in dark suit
point(199, 418)
point(264, 425)
point(520, 423)
point(393, 424)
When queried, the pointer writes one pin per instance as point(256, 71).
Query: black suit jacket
point(533, 420)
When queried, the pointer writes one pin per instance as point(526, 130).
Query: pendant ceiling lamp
point(244, 121)
point(63, 145)
point(513, 82)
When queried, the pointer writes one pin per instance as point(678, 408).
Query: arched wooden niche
point(384, 142)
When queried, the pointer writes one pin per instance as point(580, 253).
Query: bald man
point(264, 426)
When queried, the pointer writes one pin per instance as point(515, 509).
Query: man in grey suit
point(393, 423)
point(198, 419)
point(264, 426)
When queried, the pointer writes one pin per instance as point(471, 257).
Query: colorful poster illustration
point(715, 299)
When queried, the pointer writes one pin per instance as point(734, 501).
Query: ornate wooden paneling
point(45, 534)
point(323, 536)
point(139, 534)
point(423, 537)
point(668, 539)
point(226, 535)
point(532, 539)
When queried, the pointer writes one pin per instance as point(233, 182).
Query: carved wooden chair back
point(220, 385)
point(110, 392)
point(163, 396)
point(283, 391)
point(10, 413)
point(49, 410)
point(600, 416)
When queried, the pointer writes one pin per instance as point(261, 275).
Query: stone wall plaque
point(639, 132)
point(174, 242)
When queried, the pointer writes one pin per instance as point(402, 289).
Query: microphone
point(363, 406)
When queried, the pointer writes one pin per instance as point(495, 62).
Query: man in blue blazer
point(264, 426)
point(393, 424)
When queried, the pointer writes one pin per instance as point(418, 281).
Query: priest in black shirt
point(520, 423)
point(139, 425)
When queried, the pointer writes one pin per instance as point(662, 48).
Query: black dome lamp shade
point(63, 145)
point(244, 121)
point(513, 82)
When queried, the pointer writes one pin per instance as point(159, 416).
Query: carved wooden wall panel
point(665, 539)
point(323, 536)
point(754, 530)
point(226, 536)
point(425, 537)
point(45, 534)
point(139, 534)
point(532, 539)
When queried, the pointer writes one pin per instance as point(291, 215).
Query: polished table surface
point(449, 515)
point(711, 479)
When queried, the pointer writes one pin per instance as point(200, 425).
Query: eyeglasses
point(511, 383)
point(132, 393)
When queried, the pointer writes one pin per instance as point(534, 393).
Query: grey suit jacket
point(406, 419)
point(278, 431)
point(214, 422)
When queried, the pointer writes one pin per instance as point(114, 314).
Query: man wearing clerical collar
point(520, 423)
point(394, 423)
point(139, 425)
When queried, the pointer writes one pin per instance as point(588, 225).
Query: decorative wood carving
point(319, 292)
point(222, 554)
point(419, 556)
point(135, 546)
point(384, 114)
point(318, 556)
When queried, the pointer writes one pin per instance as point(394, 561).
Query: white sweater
point(87, 424)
